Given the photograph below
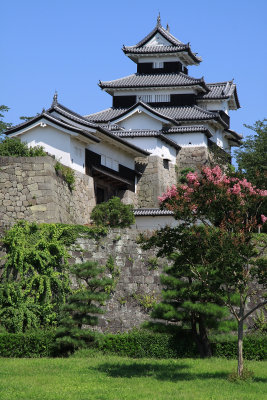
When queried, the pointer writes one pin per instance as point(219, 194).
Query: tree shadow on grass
point(159, 371)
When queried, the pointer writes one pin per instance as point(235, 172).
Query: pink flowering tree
point(218, 217)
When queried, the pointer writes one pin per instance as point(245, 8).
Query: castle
point(161, 121)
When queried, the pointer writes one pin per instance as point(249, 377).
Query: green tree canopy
point(213, 248)
point(251, 157)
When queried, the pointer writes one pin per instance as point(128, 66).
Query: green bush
point(15, 148)
point(30, 345)
point(67, 174)
point(254, 347)
point(113, 213)
point(138, 344)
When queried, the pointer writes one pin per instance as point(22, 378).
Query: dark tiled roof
point(151, 212)
point(155, 49)
point(186, 113)
point(175, 45)
point(188, 129)
point(173, 114)
point(72, 116)
point(164, 32)
point(66, 112)
point(146, 133)
point(236, 135)
point(84, 121)
point(221, 90)
point(154, 80)
point(106, 115)
point(55, 120)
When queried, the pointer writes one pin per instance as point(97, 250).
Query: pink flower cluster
point(263, 218)
point(172, 192)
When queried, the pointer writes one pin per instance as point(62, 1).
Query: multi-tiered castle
point(161, 120)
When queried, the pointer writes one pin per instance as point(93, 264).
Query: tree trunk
point(196, 336)
point(204, 338)
point(240, 366)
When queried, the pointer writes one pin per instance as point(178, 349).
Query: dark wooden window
point(183, 99)
point(166, 163)
point(144, 68)
point(123, 101)
point(172, 67)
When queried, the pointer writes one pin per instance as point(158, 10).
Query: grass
point(102, 377)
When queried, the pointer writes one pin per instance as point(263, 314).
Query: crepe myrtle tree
point(218, 216)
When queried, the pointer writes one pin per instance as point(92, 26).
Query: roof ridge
point(99, 112)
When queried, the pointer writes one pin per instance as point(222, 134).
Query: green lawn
point(118, 378)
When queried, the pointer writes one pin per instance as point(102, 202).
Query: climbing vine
point(35, 276)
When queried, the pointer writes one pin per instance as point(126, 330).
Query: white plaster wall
point(156, 146)
point(77, 155)
point(139, 92)
point(140, 121)
point(215, 105)
point(54, 142)
point(157, 40)
point(189, 139)
point(157, 222)
point(113, 152)
point(220, 139)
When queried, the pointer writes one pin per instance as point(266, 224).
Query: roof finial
point(158, 20)
point(167, 27)
point(55, 98)
point(43, 110)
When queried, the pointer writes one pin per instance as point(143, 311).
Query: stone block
point(38, 207)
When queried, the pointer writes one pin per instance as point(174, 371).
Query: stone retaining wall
point(31, 189)
point(154, 180)
point(138, 283)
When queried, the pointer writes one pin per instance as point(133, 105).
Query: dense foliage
point(35, 276)
point(213, 249)
point(251, 157)
point(66, 173)
point(15, 148)
point(27, 345)
point(3, 125)
point(113, 213)
point(135, 344)
point(83, 306)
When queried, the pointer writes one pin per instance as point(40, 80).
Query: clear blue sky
point(69, 45)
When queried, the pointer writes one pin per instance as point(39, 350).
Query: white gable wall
point(157, 40)
point(54, 142)
point(140, 121)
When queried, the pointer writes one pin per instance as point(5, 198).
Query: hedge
point(145, 344)
point(26, 345)
point(254, 347)
point(136, 344)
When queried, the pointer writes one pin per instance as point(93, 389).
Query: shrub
point(113, 213)
point(14, 147)
point(255, 347)
point(30, 345)
point(138, 344)
point(66, 173)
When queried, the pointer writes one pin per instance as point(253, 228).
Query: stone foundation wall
point(138, 283)
point(30, 189)
point(154, 180)
point(195, 157)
